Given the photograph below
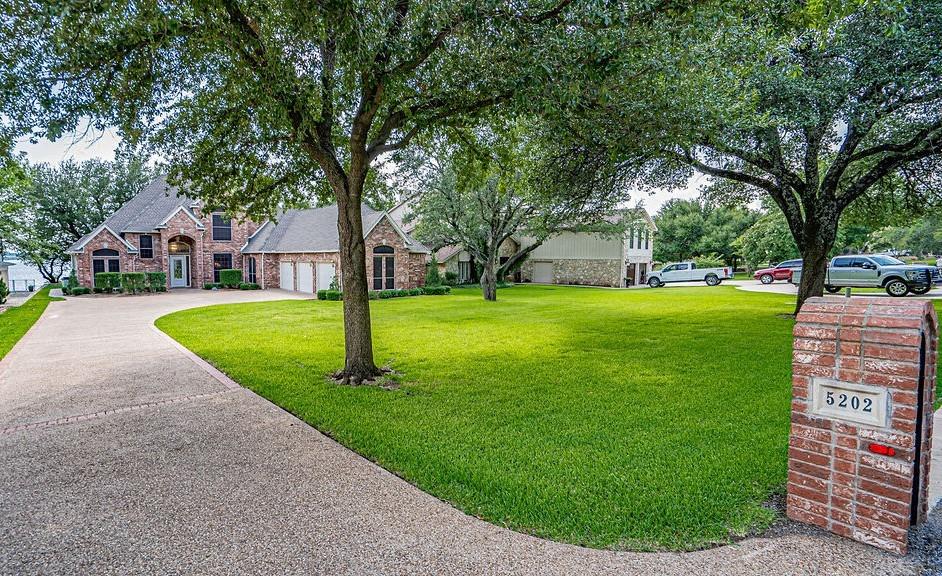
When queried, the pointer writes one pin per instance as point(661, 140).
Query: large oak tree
point(813, 112)
point(255, 103)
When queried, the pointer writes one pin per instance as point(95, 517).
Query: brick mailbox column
point(862, 390)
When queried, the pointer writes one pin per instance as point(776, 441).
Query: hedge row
point(386, 294)
point(130, 282)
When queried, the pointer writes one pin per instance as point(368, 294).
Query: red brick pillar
point(863, 383)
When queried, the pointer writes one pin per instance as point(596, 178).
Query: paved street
point(119, 454)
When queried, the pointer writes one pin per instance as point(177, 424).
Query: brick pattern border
point(102, 413)
point(834, 481)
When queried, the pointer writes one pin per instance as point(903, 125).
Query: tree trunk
point(357, 331)
point(489, 279)
point(820, 233)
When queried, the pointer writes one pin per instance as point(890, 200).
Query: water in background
point(23, 273)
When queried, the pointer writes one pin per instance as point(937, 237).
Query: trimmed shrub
point(70, 283)
point(132, 282)
point(230, 277)
point(322, 294)
point(108, 281)
point(248, 286)
point(437, 290)
point(503, 284)
point(373, 294)
point(79, 290)
point(451, 278)
point(334, 295)
point(4, 291)
point(156, 281)
point(212, 286)
point(415, 292)
point(432, 276)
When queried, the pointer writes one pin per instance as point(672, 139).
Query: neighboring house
point(162, 230)
point(571, 257)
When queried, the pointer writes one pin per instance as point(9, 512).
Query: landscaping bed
point(613, 419)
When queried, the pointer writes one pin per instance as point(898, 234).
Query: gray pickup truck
point(878, 271)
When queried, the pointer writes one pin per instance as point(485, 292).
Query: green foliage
point(156, 281)
point(372, 294)
point(133, 282)
point(249, 286)
point(57, 205)
point(433, 277)
point(436, 290)
point(4, 291)
point(70, 283)
point(212, 286)
point(709, 261)
point(108, 282)
point(922, 237)
point(79, 290)
point(329, 295)
point(334, 283)
point(767, 242)
point(689, 228)
point(230, 278)
point(451, 278)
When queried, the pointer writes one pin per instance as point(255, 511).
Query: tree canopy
point(689, 228)
point(257, 105)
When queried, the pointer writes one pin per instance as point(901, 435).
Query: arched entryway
point(180, 259)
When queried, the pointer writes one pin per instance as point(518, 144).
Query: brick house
point(162, 230)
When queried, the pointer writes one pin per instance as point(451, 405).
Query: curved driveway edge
point(148, 464)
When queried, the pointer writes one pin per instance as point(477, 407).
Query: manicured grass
point(16, 321)
point(621, 419)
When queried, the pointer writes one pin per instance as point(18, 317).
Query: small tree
point(487, 185)
point(4, 291)
point(434, 277)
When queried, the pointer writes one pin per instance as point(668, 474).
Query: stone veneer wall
point(580, 272)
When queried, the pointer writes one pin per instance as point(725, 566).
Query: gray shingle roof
point(144, 212)
point(311, 230)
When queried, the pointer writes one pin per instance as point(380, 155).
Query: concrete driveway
point(120, 454)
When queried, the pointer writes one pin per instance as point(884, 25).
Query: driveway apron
point(121, 454)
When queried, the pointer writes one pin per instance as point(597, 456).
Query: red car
point(781, 272)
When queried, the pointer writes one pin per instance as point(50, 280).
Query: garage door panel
point(305, 277)
point(286, 270)
point(543, 272)
point(325, 275)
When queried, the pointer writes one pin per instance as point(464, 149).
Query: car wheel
point(920, 290)
point(654, 283)
point(766, 279)
point(711, 280)
point(896, 288)
point(832, 289)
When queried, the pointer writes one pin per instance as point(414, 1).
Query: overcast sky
point(102, 145)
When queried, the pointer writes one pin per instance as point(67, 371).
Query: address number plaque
point(852, 402)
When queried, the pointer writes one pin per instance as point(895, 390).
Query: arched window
point(384, 268)
point(105, 260)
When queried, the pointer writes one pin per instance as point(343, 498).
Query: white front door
point(287, 276)
point(179, 271)
point(306, 277)
point(325, 276)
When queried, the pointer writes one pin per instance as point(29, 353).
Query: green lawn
point(634, 419)
point(16, 321)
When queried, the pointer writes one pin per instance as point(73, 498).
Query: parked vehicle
point(688, 272)
point(781, 272)
point(878, 271)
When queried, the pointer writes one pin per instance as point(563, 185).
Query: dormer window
point(222, 227)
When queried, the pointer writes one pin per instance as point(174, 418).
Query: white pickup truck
point(688, 272)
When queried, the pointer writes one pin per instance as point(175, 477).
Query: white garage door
point(325, 275)
point(287, 276)
point(543, 272)
point(306, 277)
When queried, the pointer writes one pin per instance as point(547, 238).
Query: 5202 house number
point(851, 402)
point(844, 400)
